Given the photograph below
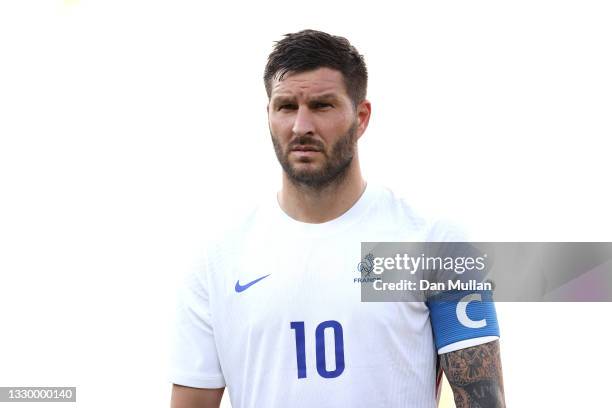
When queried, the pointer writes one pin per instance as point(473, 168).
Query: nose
point(303, 124)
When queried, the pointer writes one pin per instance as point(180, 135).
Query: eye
point(287, 106)
point(322, 105)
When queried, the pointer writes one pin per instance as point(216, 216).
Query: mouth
point(305, 149)
point(305, 152)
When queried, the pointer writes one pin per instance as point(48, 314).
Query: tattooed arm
point(475, 375)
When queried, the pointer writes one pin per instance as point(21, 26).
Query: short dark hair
point(308, 50)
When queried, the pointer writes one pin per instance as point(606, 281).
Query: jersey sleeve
point(460, 318)
point(194, 358)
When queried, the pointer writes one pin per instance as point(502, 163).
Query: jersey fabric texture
point(273, 313)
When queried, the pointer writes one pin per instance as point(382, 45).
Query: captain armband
point(462, 315)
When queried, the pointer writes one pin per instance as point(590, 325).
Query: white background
point(129, 129)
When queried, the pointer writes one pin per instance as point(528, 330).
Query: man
point(274, 313)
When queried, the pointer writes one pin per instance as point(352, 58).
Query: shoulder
point(396, 208)
point(396, 211)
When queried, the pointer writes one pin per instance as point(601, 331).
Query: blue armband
point(462, 315)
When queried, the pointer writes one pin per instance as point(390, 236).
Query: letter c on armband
point(462, 312)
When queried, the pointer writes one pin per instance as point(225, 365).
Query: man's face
point(314, 126)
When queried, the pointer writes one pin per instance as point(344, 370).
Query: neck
point(316, 206)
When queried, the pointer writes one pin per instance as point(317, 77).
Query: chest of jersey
point(290, 314)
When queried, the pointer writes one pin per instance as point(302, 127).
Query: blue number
point(339, 343)
point(300, 348)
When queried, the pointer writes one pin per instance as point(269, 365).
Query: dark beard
point(336, 165)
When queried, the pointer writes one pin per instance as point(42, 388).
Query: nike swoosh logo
point(239, 288)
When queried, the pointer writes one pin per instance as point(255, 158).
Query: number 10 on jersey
point(300, 348)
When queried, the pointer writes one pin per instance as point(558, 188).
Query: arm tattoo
point(475, 375)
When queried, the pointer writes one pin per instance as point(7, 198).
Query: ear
point(364, 111)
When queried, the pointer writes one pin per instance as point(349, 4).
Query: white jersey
point(275, 315)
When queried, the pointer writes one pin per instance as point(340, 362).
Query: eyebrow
point(325, 96)
point(282, 99)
